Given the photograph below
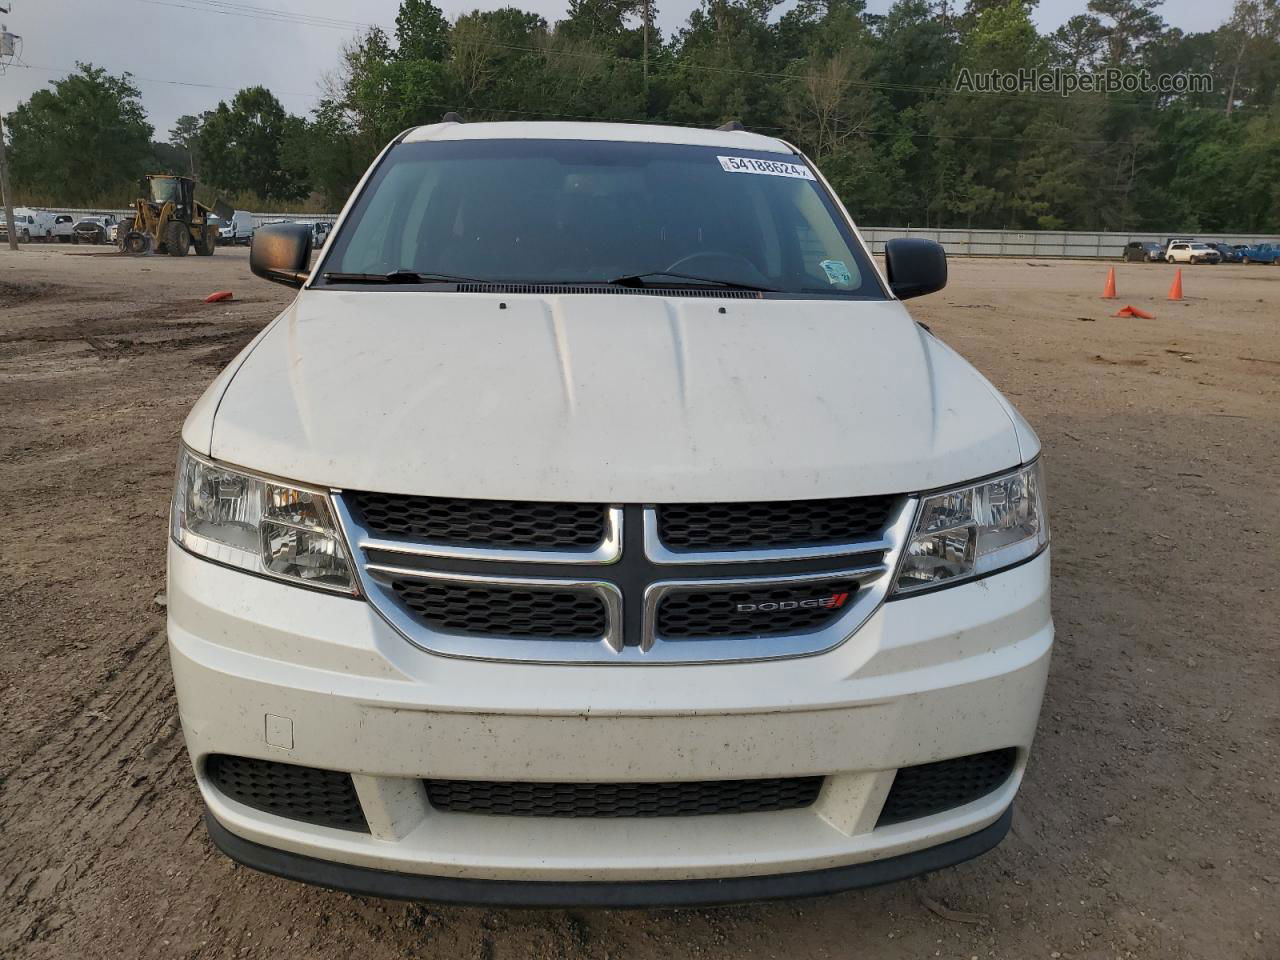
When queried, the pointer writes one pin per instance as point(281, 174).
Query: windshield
point(576, 211)
point(164, 190)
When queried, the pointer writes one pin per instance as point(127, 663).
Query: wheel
point(1170, 259)
point(208, 243)
point(26, 236)
point(178, 239)
point(136, 243)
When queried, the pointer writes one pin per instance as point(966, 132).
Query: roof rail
point(733, 126)
point(452, 117)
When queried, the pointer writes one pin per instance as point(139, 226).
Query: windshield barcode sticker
point(772, 168)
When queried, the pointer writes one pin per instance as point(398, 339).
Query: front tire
point(1170, 260)
point(178, 239)
point(208, 243)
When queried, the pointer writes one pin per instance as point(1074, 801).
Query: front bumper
point(947, 674)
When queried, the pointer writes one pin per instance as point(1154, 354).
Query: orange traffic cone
point(1109, 293)
point(1175, 291)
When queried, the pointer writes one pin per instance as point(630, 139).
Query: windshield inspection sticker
point(837, 272)
point(772, 168)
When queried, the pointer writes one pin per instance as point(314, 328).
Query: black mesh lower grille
point(480, 523)
point(752, 612)
point(679, 799)
point(772, 523)
point(322, 797)
point(501, 611)
point(936, 787)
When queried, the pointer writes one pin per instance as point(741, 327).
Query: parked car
point(92, 229)
point(675, 513)
point(319, 231)
point(63, 227)
point(1260, 253)
point(1228, 253)
point(219, 225)
point(1193, 252)
point(1139, 251)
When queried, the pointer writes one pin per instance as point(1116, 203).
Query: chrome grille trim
point(873, 566)
point(607, 550)
point(376, 577)
point(659, 552)
point(754, 648)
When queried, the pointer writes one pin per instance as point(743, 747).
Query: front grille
point(504, 611)
point(678, 799)
point(480, 523)
point(752, 612)
point(936, 787)
point(321, 797)
point(772, 524)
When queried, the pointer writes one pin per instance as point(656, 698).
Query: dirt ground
point(1148, 825)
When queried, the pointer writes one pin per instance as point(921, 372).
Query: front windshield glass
point(577, 211)
point(163, 191)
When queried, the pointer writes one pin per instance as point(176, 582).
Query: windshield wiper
point(398, 276)
point(638, 280)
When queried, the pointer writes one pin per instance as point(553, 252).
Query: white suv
point(1190, 251)
point(597, 527)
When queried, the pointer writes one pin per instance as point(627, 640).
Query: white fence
point(1041, 243)
point(262, 217)
point(960, 243)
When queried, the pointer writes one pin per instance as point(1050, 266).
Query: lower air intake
point(679, 799)
point(931, 788)
point(321, 797)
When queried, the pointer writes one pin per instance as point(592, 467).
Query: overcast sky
point(147, 38)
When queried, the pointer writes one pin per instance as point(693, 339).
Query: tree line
point(872, 98)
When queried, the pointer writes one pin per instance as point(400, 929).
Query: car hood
point(613, 398)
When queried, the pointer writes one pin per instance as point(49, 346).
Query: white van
point(596, 526)
point(30, 224)
point(239, 229)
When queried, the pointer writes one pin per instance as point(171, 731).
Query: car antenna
point(733, 126)
point(452, 117)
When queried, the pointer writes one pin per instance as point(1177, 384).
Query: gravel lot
point(1148, 825)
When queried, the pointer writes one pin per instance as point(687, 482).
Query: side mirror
point(915, 266)
point(281, 252)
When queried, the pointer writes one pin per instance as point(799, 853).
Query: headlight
point(975, 530)
point(259, 525)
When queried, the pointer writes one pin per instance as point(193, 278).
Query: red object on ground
point(220, 295)
point(1175, 291)
point(1134, 312)
point(1109, 292)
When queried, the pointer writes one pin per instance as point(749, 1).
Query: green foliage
point(86, 137)
point(242, 147)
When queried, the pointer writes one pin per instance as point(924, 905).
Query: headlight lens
point(259, 525)
point(974, 530)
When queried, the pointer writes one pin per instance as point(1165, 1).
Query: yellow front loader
point(167, 219)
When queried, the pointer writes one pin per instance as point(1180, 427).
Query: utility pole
point(647, 8)
point(7, 46)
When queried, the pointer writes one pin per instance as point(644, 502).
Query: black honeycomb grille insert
point(772, 523)
point(502, 611)
point(323, 797)
point(715, 612)
point(936, 787)
point(677, 799)
point(480, 523)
